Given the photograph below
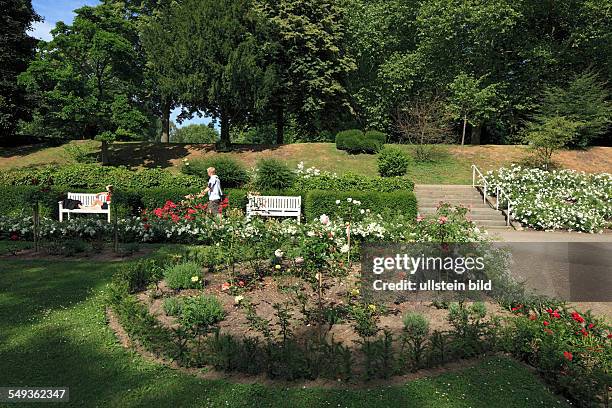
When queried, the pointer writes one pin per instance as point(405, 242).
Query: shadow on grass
point(151, 155)
point(19, 151)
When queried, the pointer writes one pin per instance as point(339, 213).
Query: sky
point(53, 11)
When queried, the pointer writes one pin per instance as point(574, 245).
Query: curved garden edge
point(209, 373)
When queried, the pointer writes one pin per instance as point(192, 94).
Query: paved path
point(553, 269)
point(548, 236)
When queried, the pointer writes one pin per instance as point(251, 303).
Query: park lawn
point(451, 166)
point(53, 332)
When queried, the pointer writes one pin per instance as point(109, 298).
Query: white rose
point(278, 253)
point(324, 219)
point(344, 248)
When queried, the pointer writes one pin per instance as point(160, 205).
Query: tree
point(158, 40)
point(470, 102)
point(219, 60)
point(195, 133)
point(306, 43)
point(548, 134)
point(17, 48)
point(584, 101)
point(88, 80)
point(423, 122)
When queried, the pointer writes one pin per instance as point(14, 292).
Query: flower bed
point(558, 199)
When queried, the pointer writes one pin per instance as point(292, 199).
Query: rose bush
point(558, 199)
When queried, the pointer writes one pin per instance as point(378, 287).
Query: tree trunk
point(104, 153)
point(280, 124)
point(165, 119)
point(464, 126)
point(476, 132)
point(225, 128)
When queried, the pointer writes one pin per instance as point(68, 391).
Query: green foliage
point(584, 103)
point(186, 275)
point(201, 313)
point(91, 176)
point(416, 329)
point(355, 141)
point(135, 276)
point(273, 174)
point(16, 51)
point(173, 306)
point(318, 202)
point(18, 200)
point(548, 134)
point(230, 171)
point(79, 153)
point(88, 79)
point(353, 182)
point(392, 162)
point(309, 60)
point(470, 101)
point(380, 137)
point(228, 78)
point(194, 133)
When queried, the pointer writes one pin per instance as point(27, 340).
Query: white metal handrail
point(499, 192)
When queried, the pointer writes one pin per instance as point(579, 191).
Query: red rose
point(568, 356)
point(14, 236)
point(576, 316)
point(546, 323)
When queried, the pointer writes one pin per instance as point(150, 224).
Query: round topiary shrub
point(187, 275)
point(231, 172)
point(392, 162)
point(355, 141)
point(273, 174)
point(380, 137)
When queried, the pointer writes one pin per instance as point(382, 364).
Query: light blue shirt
point(214, 188)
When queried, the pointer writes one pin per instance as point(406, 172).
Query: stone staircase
point(428, 197)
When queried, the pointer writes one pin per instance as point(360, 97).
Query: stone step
point(430, 196)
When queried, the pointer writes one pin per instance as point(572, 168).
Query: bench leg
point(298, 219)
point(109, 220)
point(68, 215)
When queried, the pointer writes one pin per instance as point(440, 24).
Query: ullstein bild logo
point(567, 271)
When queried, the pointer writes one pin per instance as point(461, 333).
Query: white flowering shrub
point(558, 199)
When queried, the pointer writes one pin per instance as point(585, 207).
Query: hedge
point(353, 182)
point(356, 141)
point(95, 177)
point(320, 202)
point(18, 200)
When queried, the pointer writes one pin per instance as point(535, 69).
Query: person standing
point(214, 191)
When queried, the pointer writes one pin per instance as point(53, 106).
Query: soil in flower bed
point(272, 290)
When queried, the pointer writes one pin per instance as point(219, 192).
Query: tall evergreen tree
point(17, 49)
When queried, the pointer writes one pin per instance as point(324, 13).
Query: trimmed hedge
point(95, 177)
point(355, 141)
point(320, 202)
point(353, 182)
point(17, 200)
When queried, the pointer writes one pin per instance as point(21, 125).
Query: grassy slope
point(53, 333)
point(451, 167)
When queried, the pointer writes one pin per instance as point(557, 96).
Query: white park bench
point(86, 201)
point(275, 206)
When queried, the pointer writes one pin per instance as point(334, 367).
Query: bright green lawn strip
point(54, 334)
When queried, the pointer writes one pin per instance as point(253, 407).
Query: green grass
point(53, 333)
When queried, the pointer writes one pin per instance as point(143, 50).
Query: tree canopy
point(312, 66)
